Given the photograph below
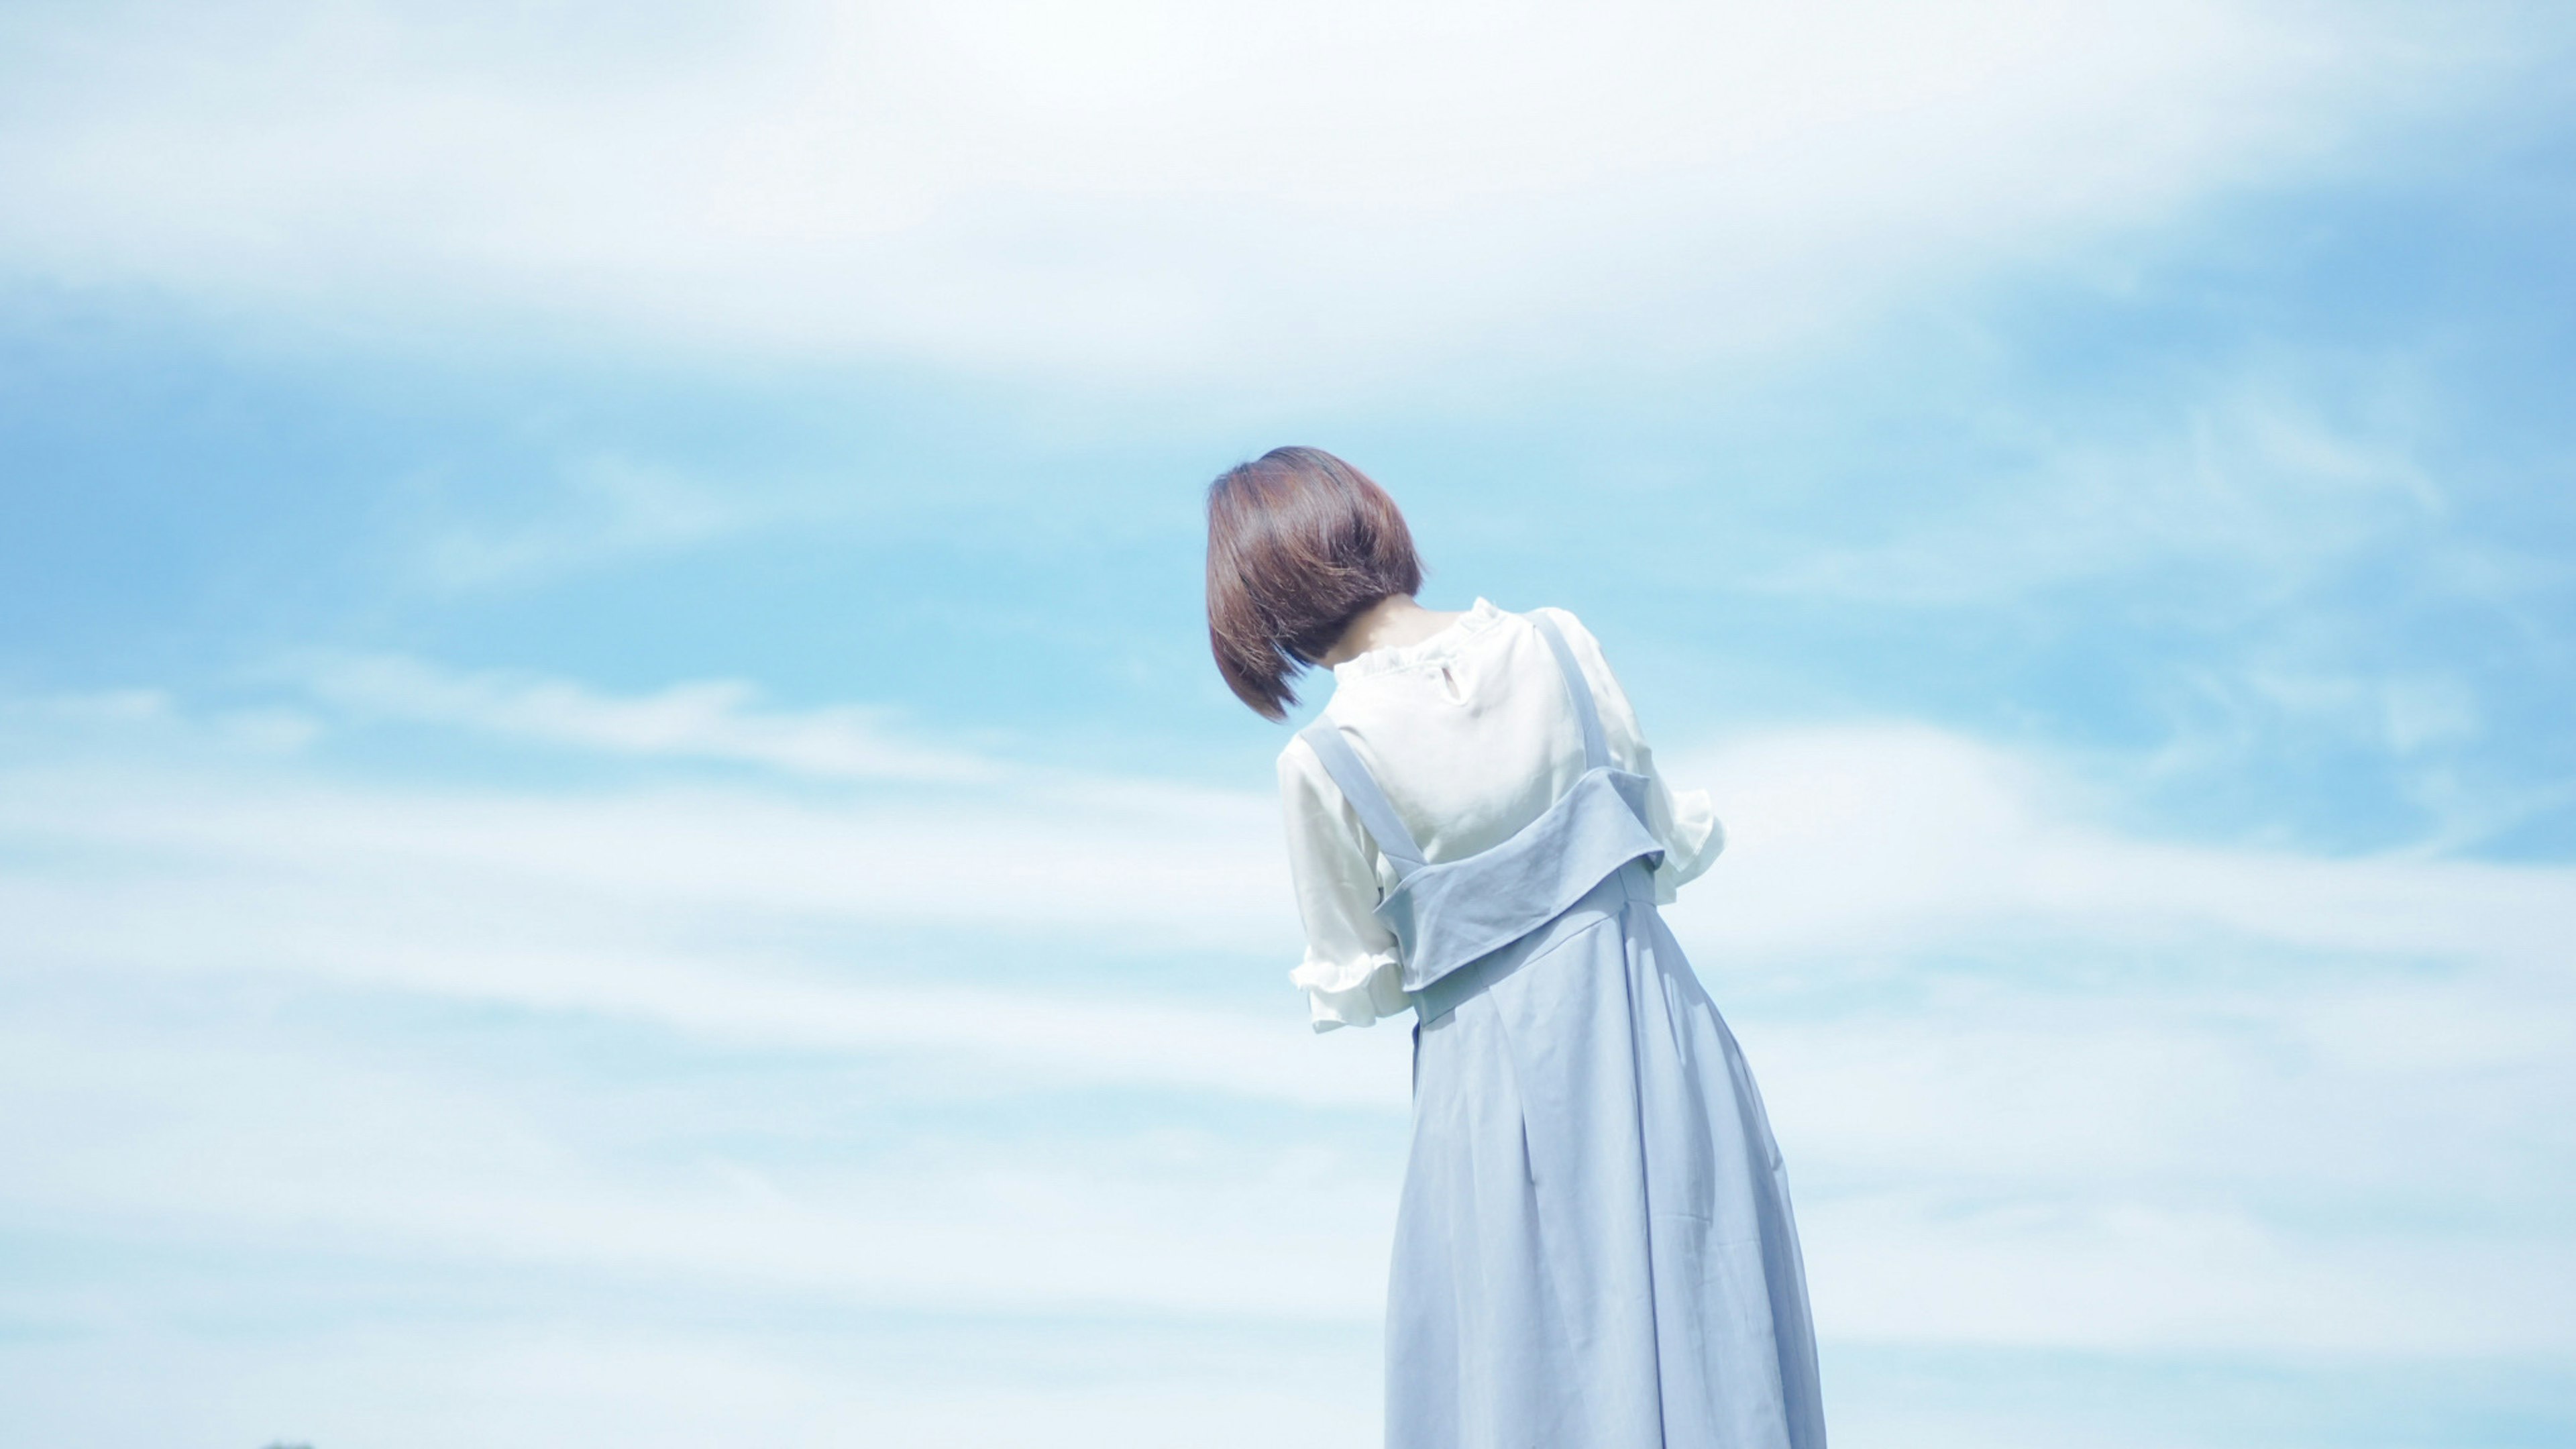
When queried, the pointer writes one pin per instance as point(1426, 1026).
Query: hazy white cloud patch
point(607, 1378)
point(2274, 485)
point(1132, 190)
point(2041, 1082)
point(1871, 838)
point(602, 510)
point(2405, 714)
point(717, 720)
point(314, 1140)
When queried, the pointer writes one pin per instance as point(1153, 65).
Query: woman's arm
point(1351, 974)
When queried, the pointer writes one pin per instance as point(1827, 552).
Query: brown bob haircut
point(1299, 543)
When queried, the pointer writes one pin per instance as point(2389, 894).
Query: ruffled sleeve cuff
point(1352, 993)
point(1693, 842)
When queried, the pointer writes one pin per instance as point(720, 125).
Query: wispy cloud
point(602, 510)
point(1952, 837)
point(719, 720)
point(2276, 486)
point(2134, 1092)
point(1008, 185)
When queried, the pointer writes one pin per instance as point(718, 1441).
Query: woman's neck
point(1391, 623)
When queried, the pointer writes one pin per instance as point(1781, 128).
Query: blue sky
point(615, 826)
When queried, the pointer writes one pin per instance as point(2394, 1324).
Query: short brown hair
point(1299, 542)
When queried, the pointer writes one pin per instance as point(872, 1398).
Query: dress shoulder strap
point(1596, 746)
point(1360, 787)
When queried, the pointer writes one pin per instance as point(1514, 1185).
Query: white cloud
point(2402, 715)
point(602, 510)
point(707, 721)
point(1149, 190)
point(2110, 1275)
point(552, 1382)
point(2040, 1082)
point(2275, 483)
point(1903, 838)
point(318, 1143)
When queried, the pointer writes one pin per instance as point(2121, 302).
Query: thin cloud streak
point(603, 510)
point(717, 720)
point(2277, 484)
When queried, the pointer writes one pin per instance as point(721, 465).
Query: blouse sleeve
point(1351, 974)
point(1686, 823)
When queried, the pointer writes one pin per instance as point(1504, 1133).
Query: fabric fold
point(1352, 992)
point(1693, 838)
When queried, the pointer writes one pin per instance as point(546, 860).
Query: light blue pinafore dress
point(1594, 1249)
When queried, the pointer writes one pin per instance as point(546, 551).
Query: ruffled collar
point(1480, 616)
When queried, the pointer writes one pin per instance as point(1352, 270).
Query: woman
point(1594, 1249)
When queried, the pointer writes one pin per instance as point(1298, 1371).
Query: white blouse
point(1472, 735)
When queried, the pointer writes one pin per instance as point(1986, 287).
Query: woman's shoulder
point(1297, 757)
point(1588, 655)
point(1570, 625)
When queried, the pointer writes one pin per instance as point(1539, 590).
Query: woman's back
point(1472, 735)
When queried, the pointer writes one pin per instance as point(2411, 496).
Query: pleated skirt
point(1595, 1248)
